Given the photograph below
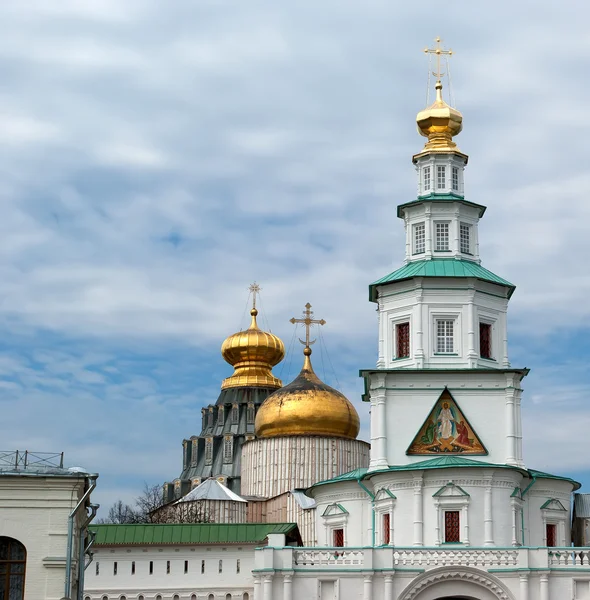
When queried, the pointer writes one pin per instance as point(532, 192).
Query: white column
point(455, 231)
point(518, 420)
point(288, 586)
point(418, 516)
point(256, 593)
point(367, 586)
point(510, 424)
point(419, 325)
point(437, 539)
point(267, 588)
point(524, 587)
point(382, 324)
point(471, 326)
point(408, 228)
point(504, 334)
point(388, 587)
point(544, 586)
point(428, 232)
point(514, 523)
point(378, 425)
point(465, 525)
point(487, 516)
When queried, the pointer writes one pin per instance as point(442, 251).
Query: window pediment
point(450, 490)
point(553, 504)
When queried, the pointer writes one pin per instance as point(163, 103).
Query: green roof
point(440, 267)
point(443, 462)
point(193, 533)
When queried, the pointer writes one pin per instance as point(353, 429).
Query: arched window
point(193, 597)
point(158, 597)
point(176, 597)
point(210, 597)
point(228, 597)
point(105, 598)
point(245, 596)
point(140, 597)
point(13, 559)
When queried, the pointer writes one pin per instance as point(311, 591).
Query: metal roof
point(211, 489)
point(440, 267)
point(25, 463)
point(194, 533)
point(582, 505)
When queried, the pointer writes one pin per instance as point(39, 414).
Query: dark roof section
point(194, 533)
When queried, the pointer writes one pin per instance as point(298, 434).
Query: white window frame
point(453, 335)
point(441, 177)
point(384, 504)
point(337, 520)
point(415, 247)
point(394, 324)
point(426, 179)
point(469, 229)
point(458, 503)
point(492, 325)
point(455, 178)
point(446, 224)
point(558, 518)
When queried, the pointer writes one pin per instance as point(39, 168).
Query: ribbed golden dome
point(253, 353)
point(439, 123)
point(307, 406)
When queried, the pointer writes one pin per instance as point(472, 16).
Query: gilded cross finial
point(308, 321)
point(254, 289)
point(438, 51)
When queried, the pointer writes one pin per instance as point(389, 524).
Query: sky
point(158, 157)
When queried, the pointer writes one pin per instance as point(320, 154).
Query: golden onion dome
point(307, 406)
point(439, 123)
point(253, 353)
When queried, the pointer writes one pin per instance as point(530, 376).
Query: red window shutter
point(551, 534)
point(485, 340)
point(386, 527)
point(452, 526)
point(338, 537)
point(403, 340)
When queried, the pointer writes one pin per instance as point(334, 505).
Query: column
point(471, 325)
point(256, 594)
point(418, 517)
point(504, 334)
point(378, 425)
point(465, 525)
point(267, 588)
point(488, 530)
point(408, 229)
point(428, 233)
point(514, 522)
point(368, 586)
point(518, 419)
point(510, 425)
point(288, 586)
point(437, 529)
point(455, 247)
point(419, 337)
point(544, 586)
point(388, 587)
point(382, 328)
point(524, 586)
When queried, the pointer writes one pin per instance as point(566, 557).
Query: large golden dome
point(253, 353)
point(307, 406)
point(439, 123)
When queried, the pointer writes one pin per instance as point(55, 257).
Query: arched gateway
point(456, 584)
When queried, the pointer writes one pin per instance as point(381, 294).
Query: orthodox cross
point(254, 289)
point(308, 321)
point(438, 51)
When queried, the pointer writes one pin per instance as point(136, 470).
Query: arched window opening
point(158, 597)
point(105, 598)
point(228, 597)
point(13, 560)
point(176, 597)
point(245, 596)
point(210, 597)
point(193, 597)
point(140, 597)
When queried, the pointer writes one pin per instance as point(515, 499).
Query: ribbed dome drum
point(307, 406)
point(253, 353)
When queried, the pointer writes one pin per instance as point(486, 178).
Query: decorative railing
point(24, 459)
point(330, 557)
point(467, 557)
point(569, 557)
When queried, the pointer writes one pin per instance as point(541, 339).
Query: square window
point(465, 238)
point(419, 238)
point(445, 336)
point(426, 178)
point(485, 340)
point(386, 529)
point(551, 529)
point(441, 177)
point(402, 340)
point(452, 527)
point(338, 537)
point(455, 178)
point(442, 237)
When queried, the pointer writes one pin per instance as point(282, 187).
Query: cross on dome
point(254, 289)
point(308, 321)
point(438, 51)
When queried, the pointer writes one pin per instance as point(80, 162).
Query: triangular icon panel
point(446, 430)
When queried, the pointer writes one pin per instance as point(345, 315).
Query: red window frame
point(402, 341)
point(386, 529)
point(551, 531)
point(338, 538)
point(452, 527)
point(485, 340)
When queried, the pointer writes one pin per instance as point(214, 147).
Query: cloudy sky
point(158, 157)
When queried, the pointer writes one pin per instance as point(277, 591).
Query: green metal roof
point(194, 533)
point(443, 462)
point(440, 198)
point(440, 267)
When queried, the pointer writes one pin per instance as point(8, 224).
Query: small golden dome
point(439, 123)
point(307, 406)
point(253, 353)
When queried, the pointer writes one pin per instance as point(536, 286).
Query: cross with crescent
point(438, 51)
point(254, 289)
point(308, 321)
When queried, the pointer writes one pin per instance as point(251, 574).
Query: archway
point(13, 562)
point(461, 583)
